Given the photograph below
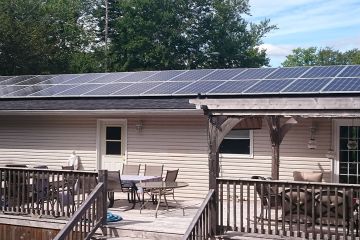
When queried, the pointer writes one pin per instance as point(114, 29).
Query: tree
point(182, 34)
point(38, 36)
point(313, 56)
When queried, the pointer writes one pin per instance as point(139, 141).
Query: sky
point(306, 23)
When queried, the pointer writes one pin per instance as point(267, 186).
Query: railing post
point(103, 175)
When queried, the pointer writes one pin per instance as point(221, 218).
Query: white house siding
point(294, 153)
point(176, 142)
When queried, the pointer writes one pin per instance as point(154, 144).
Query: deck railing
point(89, 217)
point(53, 193)
point(295, 209)
point(201, 226)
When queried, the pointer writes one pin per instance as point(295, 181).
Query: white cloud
point(277, 50)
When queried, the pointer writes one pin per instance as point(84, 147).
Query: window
point(113, 141)
point(237, 142)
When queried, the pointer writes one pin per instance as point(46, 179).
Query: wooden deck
point(170, 224)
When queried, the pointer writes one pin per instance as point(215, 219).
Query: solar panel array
point(250, 81)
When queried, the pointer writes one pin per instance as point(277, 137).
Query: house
point(166, 117)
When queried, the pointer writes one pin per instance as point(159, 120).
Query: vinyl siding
point(175, 141)
point(294, 153)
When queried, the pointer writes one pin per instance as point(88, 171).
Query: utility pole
point(106, 33)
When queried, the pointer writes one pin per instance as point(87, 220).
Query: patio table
point(161, 188)
point(132, 180)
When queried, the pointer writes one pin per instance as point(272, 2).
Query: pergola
point(225, 113)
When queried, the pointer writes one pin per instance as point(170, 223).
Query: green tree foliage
point(42, 36)
point(183, 34)
point(313, 56)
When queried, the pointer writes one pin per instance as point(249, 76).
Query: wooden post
point(277, 134)
point(103, 175)
point(218, 127)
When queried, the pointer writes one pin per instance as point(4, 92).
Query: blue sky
point(305, 23)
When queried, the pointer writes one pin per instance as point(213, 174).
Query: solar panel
point(60, 79)
point(16, 80)
point(326, 71)
point(52, 90)
point(107, 89)
point(111, 77)
point(343, 85)
point(136, 88)
point(85, 78)
point(167, 88)
point(254, 73)
point(307, 85)
point(4, 78)
point(351, 71)
point(199, 87)
point(269, 86)
point(192, 75)
point(163, 76)
point(10, 89)
point(234, 87)
point(79, 90)
point(35, 80)
point(137, 76)
point(27, 90)
point(223, 74)
point(291, 72)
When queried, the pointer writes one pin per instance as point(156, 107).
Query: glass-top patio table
point(130, 181)
point(161, 189)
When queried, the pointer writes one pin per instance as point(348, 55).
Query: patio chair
point(114, 184)
point(268, 197)
point(129, 169)
point(151, 170)
point(333, 207)
point(298, 205)
point(171, 176)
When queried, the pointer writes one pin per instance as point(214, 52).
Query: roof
point(294, 81)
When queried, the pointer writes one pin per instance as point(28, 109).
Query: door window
point(349, 171)
point(113, 141)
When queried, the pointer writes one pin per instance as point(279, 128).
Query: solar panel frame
point(269, 86)
point(136, 89)
point(60, 79)
point(307, 85)
point(223, 74)
point(192, 75)
point(107, 89)
point(111, 77)
point(343, 85)
point(27, 90)
point(163, 76)
point(85, 78)
point(199, 87)
point(323, 71)
point(52, 90)
point(138, 76)
point(233, 87)
point(350, 71)
point(79, 90)
point(166, 88)
point(254, 73)
point(288, 72)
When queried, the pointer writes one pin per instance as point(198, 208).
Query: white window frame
point(112, 122)
point(235, 155)
point(336, 138)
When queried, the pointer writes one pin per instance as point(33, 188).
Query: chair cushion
point(307, 176)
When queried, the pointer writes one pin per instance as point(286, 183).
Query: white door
point(348, 152)
point(112, 152)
